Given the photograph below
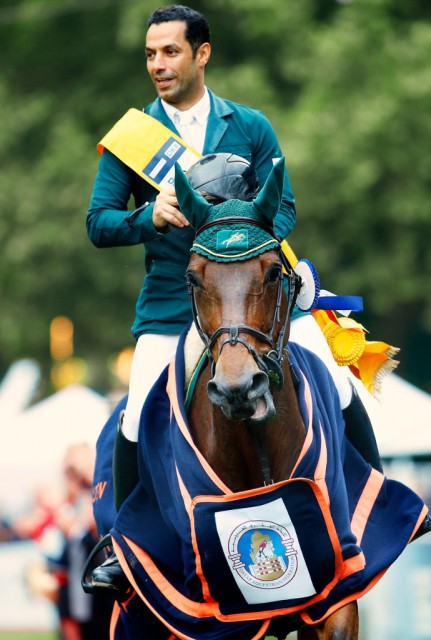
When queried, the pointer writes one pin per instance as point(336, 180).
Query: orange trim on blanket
point(309, 435)
point(126, 569)
point(353, 565)
point(171, 389)
point(366, 503)
point(421, 518)
point(116, 610)
point(184, 493)
point(342, 569)
point(262, 630)
point(322, 465)
point(351, 598)
point(190, 607)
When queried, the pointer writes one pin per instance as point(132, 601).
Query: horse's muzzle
point(249, 399)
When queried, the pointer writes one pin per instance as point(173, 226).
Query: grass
point(48, 635)
point(28, 635)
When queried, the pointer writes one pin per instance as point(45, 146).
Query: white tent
point(33, 443)
point(18, 387)
point(401, 418)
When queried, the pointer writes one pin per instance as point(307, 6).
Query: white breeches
point(152, 353)
point(305, 331)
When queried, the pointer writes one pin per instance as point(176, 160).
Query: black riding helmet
point(224, 176)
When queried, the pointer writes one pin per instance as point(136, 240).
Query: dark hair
point(197, 29)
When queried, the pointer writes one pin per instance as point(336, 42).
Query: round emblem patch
point(263, 554)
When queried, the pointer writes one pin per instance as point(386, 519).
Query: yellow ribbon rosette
point(369, 361)
point(346, 343)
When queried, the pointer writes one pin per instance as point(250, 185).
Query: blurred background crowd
point(60, 519)
point(47, 527)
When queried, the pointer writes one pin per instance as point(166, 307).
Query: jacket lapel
point(217, 122)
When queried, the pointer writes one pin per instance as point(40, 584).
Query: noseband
point(272, 361)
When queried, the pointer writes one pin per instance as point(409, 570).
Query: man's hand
point(166, 210)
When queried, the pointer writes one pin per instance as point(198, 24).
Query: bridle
point(272, 361)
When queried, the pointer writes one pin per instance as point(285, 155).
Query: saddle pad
point(261, 551)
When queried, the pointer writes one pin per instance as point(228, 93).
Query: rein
point(270, 363)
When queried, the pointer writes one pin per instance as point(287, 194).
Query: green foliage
point(358, 149)
point(362, 118)
point(348, 89)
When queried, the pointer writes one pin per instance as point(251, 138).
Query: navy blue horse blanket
point(211, 564)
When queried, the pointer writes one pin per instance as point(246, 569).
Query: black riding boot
point(109, 577)
point(359, 431)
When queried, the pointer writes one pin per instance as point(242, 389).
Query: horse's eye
point(274, 273)
point(192, 279)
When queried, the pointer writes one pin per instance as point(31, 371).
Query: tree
point(347, 87)
point(358, 150)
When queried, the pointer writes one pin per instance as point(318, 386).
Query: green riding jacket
point(163, 305)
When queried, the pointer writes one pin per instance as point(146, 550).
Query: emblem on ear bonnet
point(250, 233)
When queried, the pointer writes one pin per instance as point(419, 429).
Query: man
point(178, 50)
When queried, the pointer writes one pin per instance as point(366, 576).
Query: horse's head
point(240, 307)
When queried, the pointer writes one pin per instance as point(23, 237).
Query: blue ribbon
point(344, 303)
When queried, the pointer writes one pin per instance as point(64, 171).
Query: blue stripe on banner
point(164, 160)
point(348, 303)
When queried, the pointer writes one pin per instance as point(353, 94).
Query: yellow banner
point(148, 147)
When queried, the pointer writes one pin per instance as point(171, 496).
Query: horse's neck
point(286, 432)
point(230, 448)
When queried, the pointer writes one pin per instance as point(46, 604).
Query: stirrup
point(93, 589)
point(104, 542)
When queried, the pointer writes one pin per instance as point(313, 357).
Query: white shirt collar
point(198, 111)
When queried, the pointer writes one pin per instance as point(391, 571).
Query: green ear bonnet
point(233, 230)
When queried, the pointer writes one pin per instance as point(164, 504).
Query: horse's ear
point(268, 199)
point(192, 204)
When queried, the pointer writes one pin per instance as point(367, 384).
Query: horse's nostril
point(249, 399)
point(249, 390)
point(214, 393)
point(259, 385)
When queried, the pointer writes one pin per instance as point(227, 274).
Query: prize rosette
point(347, 345)
point(310, 287)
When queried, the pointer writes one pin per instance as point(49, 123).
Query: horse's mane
point(193, 350)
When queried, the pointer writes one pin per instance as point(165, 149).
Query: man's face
point(177, 75)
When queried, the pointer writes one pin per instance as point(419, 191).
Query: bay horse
point(254, 514)
point(244, 416)
point(249, 432)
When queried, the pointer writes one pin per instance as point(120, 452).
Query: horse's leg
point(341, 625)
